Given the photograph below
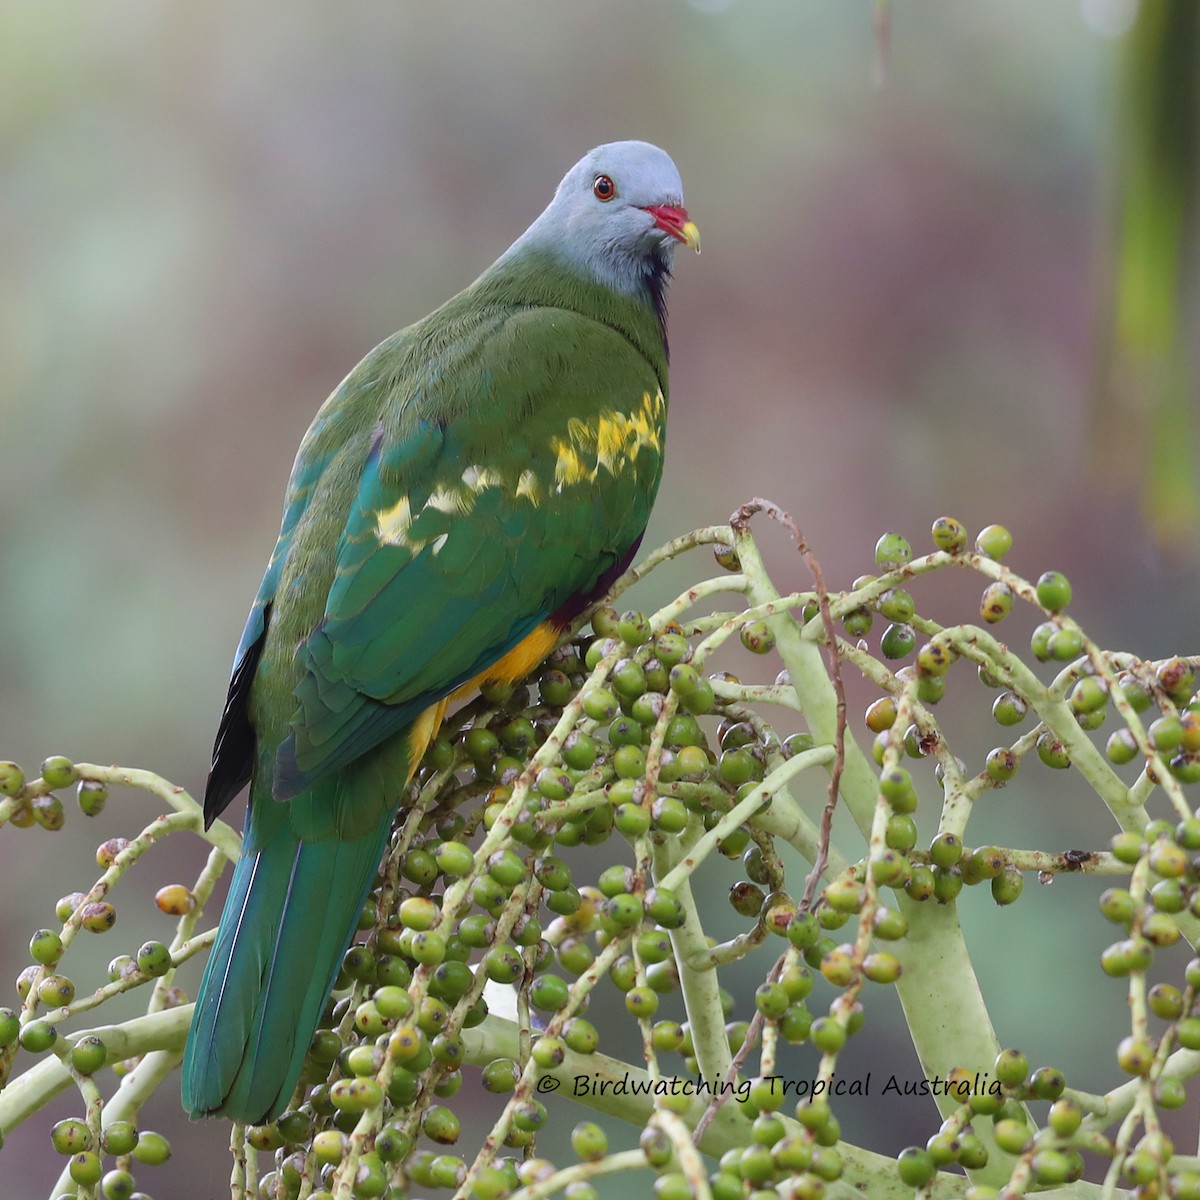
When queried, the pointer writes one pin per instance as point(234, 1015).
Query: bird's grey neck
point(632, 274)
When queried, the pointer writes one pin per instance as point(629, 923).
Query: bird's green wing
point(499, 497)
point(234, 746)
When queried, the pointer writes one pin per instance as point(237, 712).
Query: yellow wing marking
point(612, 440)
point(606, 443)
point(391, 524)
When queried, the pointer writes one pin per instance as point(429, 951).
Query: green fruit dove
point(472, 485)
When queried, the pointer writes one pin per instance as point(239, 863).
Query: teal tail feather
point(291, 913)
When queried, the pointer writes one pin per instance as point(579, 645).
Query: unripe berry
point(949, 534)
point(994, 541)
point(1053, 591)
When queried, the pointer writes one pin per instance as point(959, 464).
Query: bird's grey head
point(617, 216)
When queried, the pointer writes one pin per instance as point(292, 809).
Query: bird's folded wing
point(464, 535)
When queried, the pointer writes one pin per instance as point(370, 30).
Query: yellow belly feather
point(512, 668)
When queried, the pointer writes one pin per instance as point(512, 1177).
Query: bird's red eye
point(603, 188)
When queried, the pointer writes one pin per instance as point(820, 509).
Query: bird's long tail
point(291, 913)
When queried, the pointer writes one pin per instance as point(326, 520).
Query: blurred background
point(949, 267)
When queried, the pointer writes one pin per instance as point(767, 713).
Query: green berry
point(857, 623)
point(664, 907)
point(1009, 709)
point(1089, 695)
point(46, 947)
point(548, 993)
point(915, 1166)
point(1039, 642)
point(897, 789)
point(118, 1185)
point(70, 1137)
point(153, 1149)
point(1001, 765)
point(1176, 677)
point(901, 833)
point(88, 1055)
point(671, 648)
point(1013, 1135)
point(1168, 859)
point(1166, 733)
point(881, 967)
point(897, 605)
point(1124, 957)
point(91, 796)
point(949, 534)
point(628, 679)
point(828, 1035)
point(1007, 886)
point(1053, 591)
point(631, 820)
point(1135, 692)
point(440, 754)
point(947, 884)
point(1050, 1167)
point(1165, 1001)
point(934, 658)
point(1121, 747)
point(946, 850)
point(669, 814)
point(921, 884)
point(507, 868)
point(1065, 644)
point(481, 744)
point(1047, 1083)
point(633, 628)
point(502, 964)
point(641, 1002)
point(85, 1168)
point(758, 637)
point(154, 959)
point(12, 779)
point(581, 1036)
point(38, 1036)
point(1011, 1067)
point(996, 602)
point(354, 1095)
point(898, 641)
point(453, 859)
point(589, 1141)
point(1051, 751)
point(1118, 906)
point(1127, 847)
point(59, 772)
point(892, 550)
point(440, 1125)
point(1135, 1055)
point(98, 917)
point(994, 541)
point(48, 812)
point(119, 1138)
point(881, 714)
point(985, 862)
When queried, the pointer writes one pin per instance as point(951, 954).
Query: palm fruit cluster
point(557, 846)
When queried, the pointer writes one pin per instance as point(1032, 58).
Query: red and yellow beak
point(673, 219)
